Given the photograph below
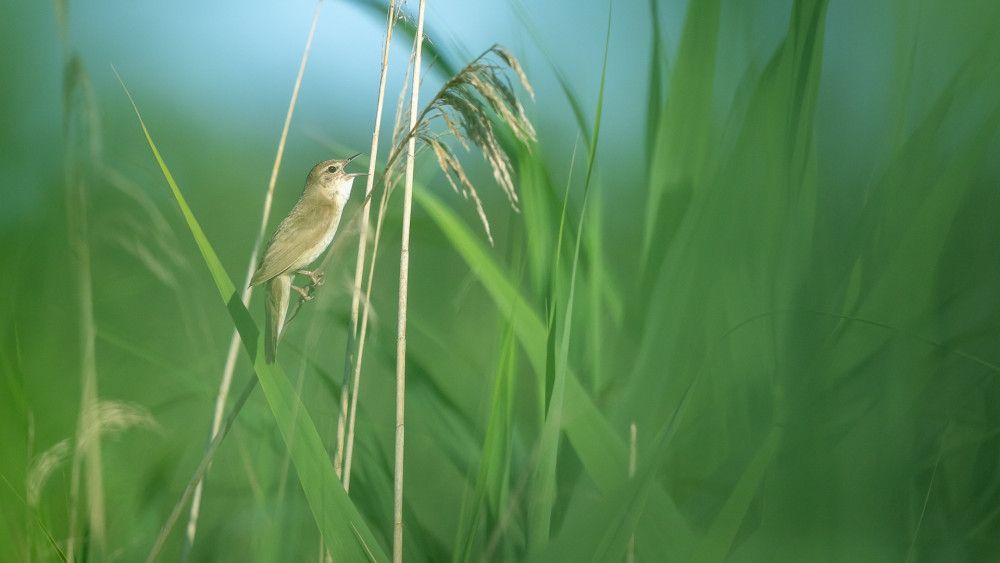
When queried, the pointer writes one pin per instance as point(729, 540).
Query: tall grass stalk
point(632, 447)
point(352, 362)
point(404, 272)
point(87, 453)
point(82, 145)
point(352, 419)
point(234, 342)
point(557, 363)
point(362, 336)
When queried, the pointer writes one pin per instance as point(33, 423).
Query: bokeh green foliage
point(810, 363)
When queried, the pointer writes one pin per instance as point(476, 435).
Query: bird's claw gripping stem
point(316, 277)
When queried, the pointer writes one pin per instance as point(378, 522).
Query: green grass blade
point(716, 543)
point(682, 129)
point(599, 529)
point(601, 448)
point(343, 529)
point(592, 155)
point(557, 368)
point(544, 480)
point(657, 64)
point(494, 463)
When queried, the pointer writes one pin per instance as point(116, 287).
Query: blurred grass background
point(786, 280)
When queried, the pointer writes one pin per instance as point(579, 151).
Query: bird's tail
point(276, 308)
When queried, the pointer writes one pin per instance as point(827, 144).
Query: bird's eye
point(331, 169)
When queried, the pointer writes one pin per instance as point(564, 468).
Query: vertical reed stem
point(404, 272)
point(352, 367)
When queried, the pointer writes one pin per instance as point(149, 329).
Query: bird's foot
point(315, 276)
point(303, 292)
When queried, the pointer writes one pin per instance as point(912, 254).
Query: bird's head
point(329, 179)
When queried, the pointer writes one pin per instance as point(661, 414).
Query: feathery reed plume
point(465, 104)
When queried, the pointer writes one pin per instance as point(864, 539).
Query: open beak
point(358, 173)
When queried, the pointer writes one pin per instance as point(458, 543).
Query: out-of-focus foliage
point(789, 289)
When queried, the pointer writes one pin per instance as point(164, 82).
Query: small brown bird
point(301, 238)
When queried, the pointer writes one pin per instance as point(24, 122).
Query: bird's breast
point(331, 220)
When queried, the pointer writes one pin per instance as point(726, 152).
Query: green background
point(788, 280)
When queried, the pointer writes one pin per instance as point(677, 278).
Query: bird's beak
point(359, 173)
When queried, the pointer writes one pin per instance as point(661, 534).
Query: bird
point(299, 240)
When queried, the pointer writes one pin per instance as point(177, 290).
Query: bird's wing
point(304, 226)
